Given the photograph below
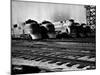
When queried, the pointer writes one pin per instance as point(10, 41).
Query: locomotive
point(48, 30)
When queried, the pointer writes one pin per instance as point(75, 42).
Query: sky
point(22, 11)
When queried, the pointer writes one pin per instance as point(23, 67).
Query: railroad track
point(55, 56)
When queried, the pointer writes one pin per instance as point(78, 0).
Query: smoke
point(15, 25)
